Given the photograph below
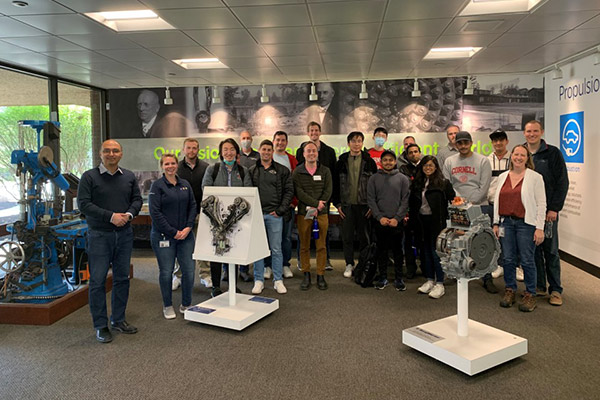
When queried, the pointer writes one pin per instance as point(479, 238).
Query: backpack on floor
point(365, 270)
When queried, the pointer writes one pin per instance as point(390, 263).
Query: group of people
point(398, 202)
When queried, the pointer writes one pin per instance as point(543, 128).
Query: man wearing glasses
point(109, 197)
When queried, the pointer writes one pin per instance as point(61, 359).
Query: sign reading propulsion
point(571, 137)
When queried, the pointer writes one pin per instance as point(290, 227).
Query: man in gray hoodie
point(387, 197)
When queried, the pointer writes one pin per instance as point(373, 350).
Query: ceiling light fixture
point(446, 53)
point(264, 98)
point(313, 93)
point(200, 63)
point(416, 92)
point(20, 3)
point(363, 95)
point(481, 7)
point(557, 72)
point(130, 20)
point(168, 100)
point(215, 96)
point(469, 89)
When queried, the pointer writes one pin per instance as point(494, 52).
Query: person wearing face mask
point(248, 156)
point(519, 214)
point(227, 172)
point(173, 211)
point(379, 137)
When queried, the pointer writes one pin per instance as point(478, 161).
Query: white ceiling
point(279, 41)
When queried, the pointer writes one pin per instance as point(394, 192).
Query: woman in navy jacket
point(173, 211)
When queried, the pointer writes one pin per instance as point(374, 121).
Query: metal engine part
point(222, 225)
point(468, 247)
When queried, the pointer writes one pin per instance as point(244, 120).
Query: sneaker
point(527, 303)
point(287, 272)
point(279, 287)
point(380, 285)
point(490, 287)
point(426, 287)
point(258, 287)
point(182, 309)
point(176, 282)
point(207, 282)
point(169, 312)
point(540, 292)
point(509, 298)
point(498, 272)
point(437, 291)
point(348, 271)
point(268, 273)
point(216, 291)
point(299, 267)
point(520, 276)
point(399, 285)
point(328, 266)
point(555, 299)
point(245, 276)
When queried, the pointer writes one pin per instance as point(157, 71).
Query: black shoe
point(103, 335)
point(215, 291)
point(124, 327)
point(399, 285)
point(238, 290)
point(411, 271)
point(321, 284)
point(305, 282)
point(490, 287)
point(328, 266)
point(244, 276)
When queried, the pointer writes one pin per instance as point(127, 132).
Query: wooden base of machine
point(49, 313)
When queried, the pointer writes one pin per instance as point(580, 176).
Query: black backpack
point(365, 270)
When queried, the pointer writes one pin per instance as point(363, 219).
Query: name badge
point(316, 177)
point(164, 243)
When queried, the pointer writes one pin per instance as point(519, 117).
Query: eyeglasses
point(108, 151)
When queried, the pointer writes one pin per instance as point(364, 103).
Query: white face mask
point(246, 144)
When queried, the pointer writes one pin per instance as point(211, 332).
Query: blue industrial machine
point(46, 245)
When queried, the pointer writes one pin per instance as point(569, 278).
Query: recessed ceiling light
point(20, 3)
point(480, 7)
point(131, 20)
point(446, 53)
point(200, 63)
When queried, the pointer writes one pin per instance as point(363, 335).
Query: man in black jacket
point(275, 188)
point(353, 170)
point(412, 156)
point(550, 163)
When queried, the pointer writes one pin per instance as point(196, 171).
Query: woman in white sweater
point(519, 212)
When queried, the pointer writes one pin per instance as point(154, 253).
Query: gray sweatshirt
point(387, 195)
point(470, 176)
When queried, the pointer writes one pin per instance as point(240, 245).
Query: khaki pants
point(305, 235)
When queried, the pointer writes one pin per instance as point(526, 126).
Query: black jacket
point(341, 187)
point(549, 162)
point(194, 177)
point(438, 199)
point(409, 170)
point(327, 156)
point(281, 194)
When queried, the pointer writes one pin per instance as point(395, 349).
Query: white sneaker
point(280, 287)
point(287, 272)
point(258, 287)
point(169, 312)
point(498, 272)
point(348, 271)
point(268, 273)
point(520, 276)
point(437, 291)
point(176, 282)
point(182, 309)
point(207, 282)
point(426, 287)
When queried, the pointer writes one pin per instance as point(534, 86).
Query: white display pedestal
point(469, 346)
point(232, 310)
point(248, 244)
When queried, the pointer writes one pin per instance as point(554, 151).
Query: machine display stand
point(248, 244)
point(469, 346)
point(232, 310)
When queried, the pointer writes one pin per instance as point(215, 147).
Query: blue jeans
point(286, 239)
point(182, 251)
point(431, 267)
point(518, 245)
point(106, 248)
point(274, 228)
point(547, 262)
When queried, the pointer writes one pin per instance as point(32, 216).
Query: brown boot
point(509, 298)
point(527, 303)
